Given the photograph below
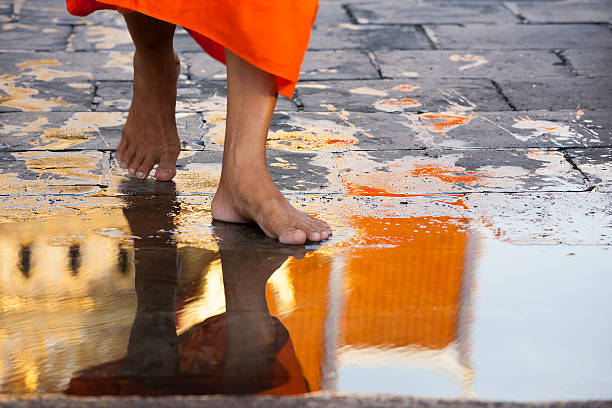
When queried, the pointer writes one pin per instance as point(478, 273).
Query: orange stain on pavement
point(446, 174)
point(449, 121)
point(400, 102)
point(406, 88)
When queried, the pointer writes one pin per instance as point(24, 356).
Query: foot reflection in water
point(244, 350)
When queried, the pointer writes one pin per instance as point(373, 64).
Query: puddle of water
point(153, 298)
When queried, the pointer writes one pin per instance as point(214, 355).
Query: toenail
point(132, 171)
point(140, 174)
point(164, 171)
point(316, 236)
point(122, 165)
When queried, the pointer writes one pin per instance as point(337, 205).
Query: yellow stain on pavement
point(41, 71)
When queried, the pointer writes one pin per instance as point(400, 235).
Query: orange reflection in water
point(403, 282)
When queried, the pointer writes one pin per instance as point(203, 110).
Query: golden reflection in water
point(67, 298)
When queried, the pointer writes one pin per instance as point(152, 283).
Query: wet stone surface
point(561, 12)
point(523, 36)
point(490, 64)
point(596, 164)
point(405, 95)
point(591, 63)
point(557, 94)
point(460, 151)
point(396, 12)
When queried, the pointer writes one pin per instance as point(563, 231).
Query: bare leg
point(246, 191)
point(149, 135)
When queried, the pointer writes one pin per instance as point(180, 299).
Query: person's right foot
point(149, 135)
point(250, 195)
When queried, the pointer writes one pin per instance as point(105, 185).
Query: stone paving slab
point(44, 172)
point(318, 65)
point(399, 12)
point(342, 64)
point(481, 64)
point(565, 11)
point(368, 37)
point(53, 11)
point(33, 37)
point(93, 37)
point(406, 95)
point(597, 165)
point(60, 130)
point(525, 130)
point(68, 66)
point(324, 131)
point(511, 217)
point(198, 172)
point(590, 62)
point(555, 94)
point(18, 95)
point(404, 173)
point(192, 96)
point(81, 130)
point(523, 36)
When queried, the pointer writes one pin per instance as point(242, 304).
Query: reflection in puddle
point(130, 301)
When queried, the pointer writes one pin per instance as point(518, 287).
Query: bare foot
point(149, 135)
point(250, 195)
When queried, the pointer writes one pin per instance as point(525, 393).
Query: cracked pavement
point(491, 119)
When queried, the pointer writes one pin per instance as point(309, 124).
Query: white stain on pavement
point(364, 90)
point(473, 61)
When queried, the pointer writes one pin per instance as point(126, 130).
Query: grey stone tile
point(192, 96)
point(198, 172)
point(368, 37)
point(482, 64)
point(482, 130)
point(201, 66)
point(81, 130)
point(17, 95)
point(324, 131)
point(68, 66)
point(322, 65)
point(108, 18)
point(33, 37)
point(555, 94)
point(60, 130)
point(597, 165)
point(402, 12)
point(92, 37)
point(331, 13)
point(52, 11)
point(405, 173)
point(565, 11)
point(44, 172)
point(532, 129)
point(523, 36)
point(590, 62)
point(408, 95)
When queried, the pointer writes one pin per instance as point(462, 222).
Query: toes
point(127, 157)
point(316, 230)
point(120, 150)
point(136, 163)
point(166, 169)
point(145, 167)
point(293, 237)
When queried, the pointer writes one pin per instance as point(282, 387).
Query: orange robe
point(271, 34)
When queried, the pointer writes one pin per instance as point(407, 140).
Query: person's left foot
point(149, 135)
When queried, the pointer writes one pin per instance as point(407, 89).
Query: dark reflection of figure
point(244, 350)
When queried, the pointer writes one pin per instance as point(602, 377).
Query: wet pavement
point(461, 152)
